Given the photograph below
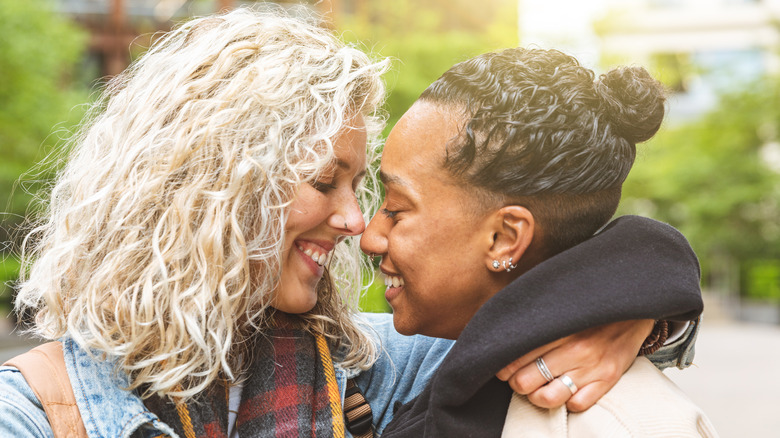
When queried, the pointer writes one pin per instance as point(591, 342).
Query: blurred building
point(465, 15)
point(119, 29)
point(697, 47)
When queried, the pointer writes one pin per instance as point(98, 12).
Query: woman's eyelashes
point(323, 187)
point(333, 183)
point(389, 213)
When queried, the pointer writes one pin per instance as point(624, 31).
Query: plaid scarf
point(291, 392)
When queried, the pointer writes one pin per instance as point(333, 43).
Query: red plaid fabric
point(290, 393)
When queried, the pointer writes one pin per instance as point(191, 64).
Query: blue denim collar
point(106, 408)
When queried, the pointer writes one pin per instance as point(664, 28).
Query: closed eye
point(323, 187)
point(389, 213)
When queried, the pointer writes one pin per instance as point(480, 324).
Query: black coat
point(636, 268)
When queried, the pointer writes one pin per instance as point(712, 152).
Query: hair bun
point(633, 101)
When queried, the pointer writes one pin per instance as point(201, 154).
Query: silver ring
point(544, 370)
point(566, 380)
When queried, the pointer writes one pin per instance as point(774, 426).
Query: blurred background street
point(712, 171)
point(733, 378)
point(734, 375)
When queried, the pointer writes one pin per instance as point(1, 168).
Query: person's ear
point(513, 231)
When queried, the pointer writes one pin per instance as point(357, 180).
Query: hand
point(594, 359)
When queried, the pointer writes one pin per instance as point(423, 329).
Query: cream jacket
point(644, 403)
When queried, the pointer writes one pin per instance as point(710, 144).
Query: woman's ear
point(513, 231)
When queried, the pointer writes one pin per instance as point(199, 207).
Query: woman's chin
point(296, 307)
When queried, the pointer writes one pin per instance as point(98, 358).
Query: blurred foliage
point(9, 271)
point(762, 279)
point(673, 70)
point(424, 39)
point(715, 181)
point(709, 178)
point(373, 300)
point(38, 54)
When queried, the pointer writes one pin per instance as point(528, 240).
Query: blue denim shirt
point(403, 369)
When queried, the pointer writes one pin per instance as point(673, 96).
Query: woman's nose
point(349, 219)
point(374, 239)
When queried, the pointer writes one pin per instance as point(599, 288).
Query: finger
point(594, 378)
point(551, 396)
point(559, 361)
point(528, 359)
point(509, 370)
point(529, 378)
point(587, 396)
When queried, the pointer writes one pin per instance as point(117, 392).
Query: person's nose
point(374, 239)
point(348, 218)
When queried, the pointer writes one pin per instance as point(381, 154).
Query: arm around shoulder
point(644, 403)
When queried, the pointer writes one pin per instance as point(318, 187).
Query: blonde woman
point(219, 169)
point(197, 261)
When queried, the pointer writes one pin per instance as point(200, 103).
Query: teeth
point(320, 259)
point(394, 281)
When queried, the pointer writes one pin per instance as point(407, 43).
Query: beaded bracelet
point(656, 338)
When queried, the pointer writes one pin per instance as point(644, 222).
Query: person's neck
point(502, 280)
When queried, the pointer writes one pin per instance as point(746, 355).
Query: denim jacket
point(405, 366)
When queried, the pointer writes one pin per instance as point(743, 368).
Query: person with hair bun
point(500, 184)
point(197, 260)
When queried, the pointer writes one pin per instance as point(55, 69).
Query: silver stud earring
point(511, 266)
point(371, 257)
point(496, 265)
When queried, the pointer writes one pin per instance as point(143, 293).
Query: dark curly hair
point(543, 133)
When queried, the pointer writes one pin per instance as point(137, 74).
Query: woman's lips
point(392, 292)
point(395, 284)
point(308, 256)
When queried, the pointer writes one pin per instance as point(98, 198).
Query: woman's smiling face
point(322, 214)
point(428, 230)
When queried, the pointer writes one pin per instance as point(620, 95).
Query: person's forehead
point(422, 134)
point(412, 161)
point(350, 146)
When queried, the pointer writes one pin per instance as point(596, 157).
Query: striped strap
point(184, 416)
point(357, 412)
point(333, 388)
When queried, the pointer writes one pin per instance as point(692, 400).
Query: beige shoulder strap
point(44, 369)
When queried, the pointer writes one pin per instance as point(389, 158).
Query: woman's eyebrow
point(347, 167)
point(389, 179)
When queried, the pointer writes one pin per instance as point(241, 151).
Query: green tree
point(38, 52)
point(424, 39)
point(717, 179)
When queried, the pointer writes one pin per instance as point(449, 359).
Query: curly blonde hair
point(179, 179)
